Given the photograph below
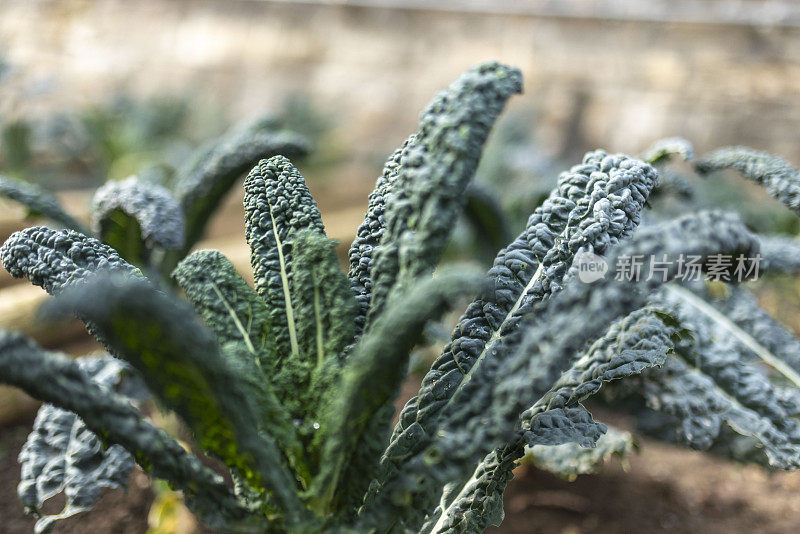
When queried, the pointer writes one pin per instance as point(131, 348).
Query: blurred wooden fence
point(774, 13)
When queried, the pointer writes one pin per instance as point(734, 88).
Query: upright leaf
point(369, 234)
point(39, 202)
point(229, 307)
point(278, 206)
point(326, 309)
point(435, 168)
point(240, 322)
point(372, 379)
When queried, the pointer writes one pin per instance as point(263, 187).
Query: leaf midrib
point(290, 324)
point(319, 328)
point(494, 338)
point(736, 331)
point(236, 320)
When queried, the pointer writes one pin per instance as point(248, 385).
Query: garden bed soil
point(665, 489)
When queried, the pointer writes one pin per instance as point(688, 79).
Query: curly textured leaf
point(703, 235)
point(486, 411)
point(741, 308)
point(277, 207)
point(780, 179)
point(570, 459)
point(481, 503)
point(59, 380)
point(182, 365)
point(326, 309)
point(665, 149)
point(637, 342)
point(39, 202)
point(372, 378)
point(369, 234)
point(563, 425)
point(594, 205)
point(133, 217)
point(229, 307)
point(725, 327)
point(435, 168)
point(700, 407)
point(54, 259)
point(62, 455)
point(202, 183)
point(717, 381)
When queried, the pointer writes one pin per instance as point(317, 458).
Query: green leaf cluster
point(291, 383)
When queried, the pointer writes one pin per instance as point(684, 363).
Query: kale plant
point(292, 384)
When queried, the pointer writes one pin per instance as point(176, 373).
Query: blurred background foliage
point(126, 135)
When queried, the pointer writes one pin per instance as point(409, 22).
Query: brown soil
point(665, 489)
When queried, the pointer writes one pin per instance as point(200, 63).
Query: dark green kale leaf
point(54, 259)
point(372, 379)
point(278, 206)
point(434, 169)
point(61, 381)
point(487, 410)
point(133, 217)
point(369, 235)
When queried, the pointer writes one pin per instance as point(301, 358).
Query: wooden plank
point(19, 304)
